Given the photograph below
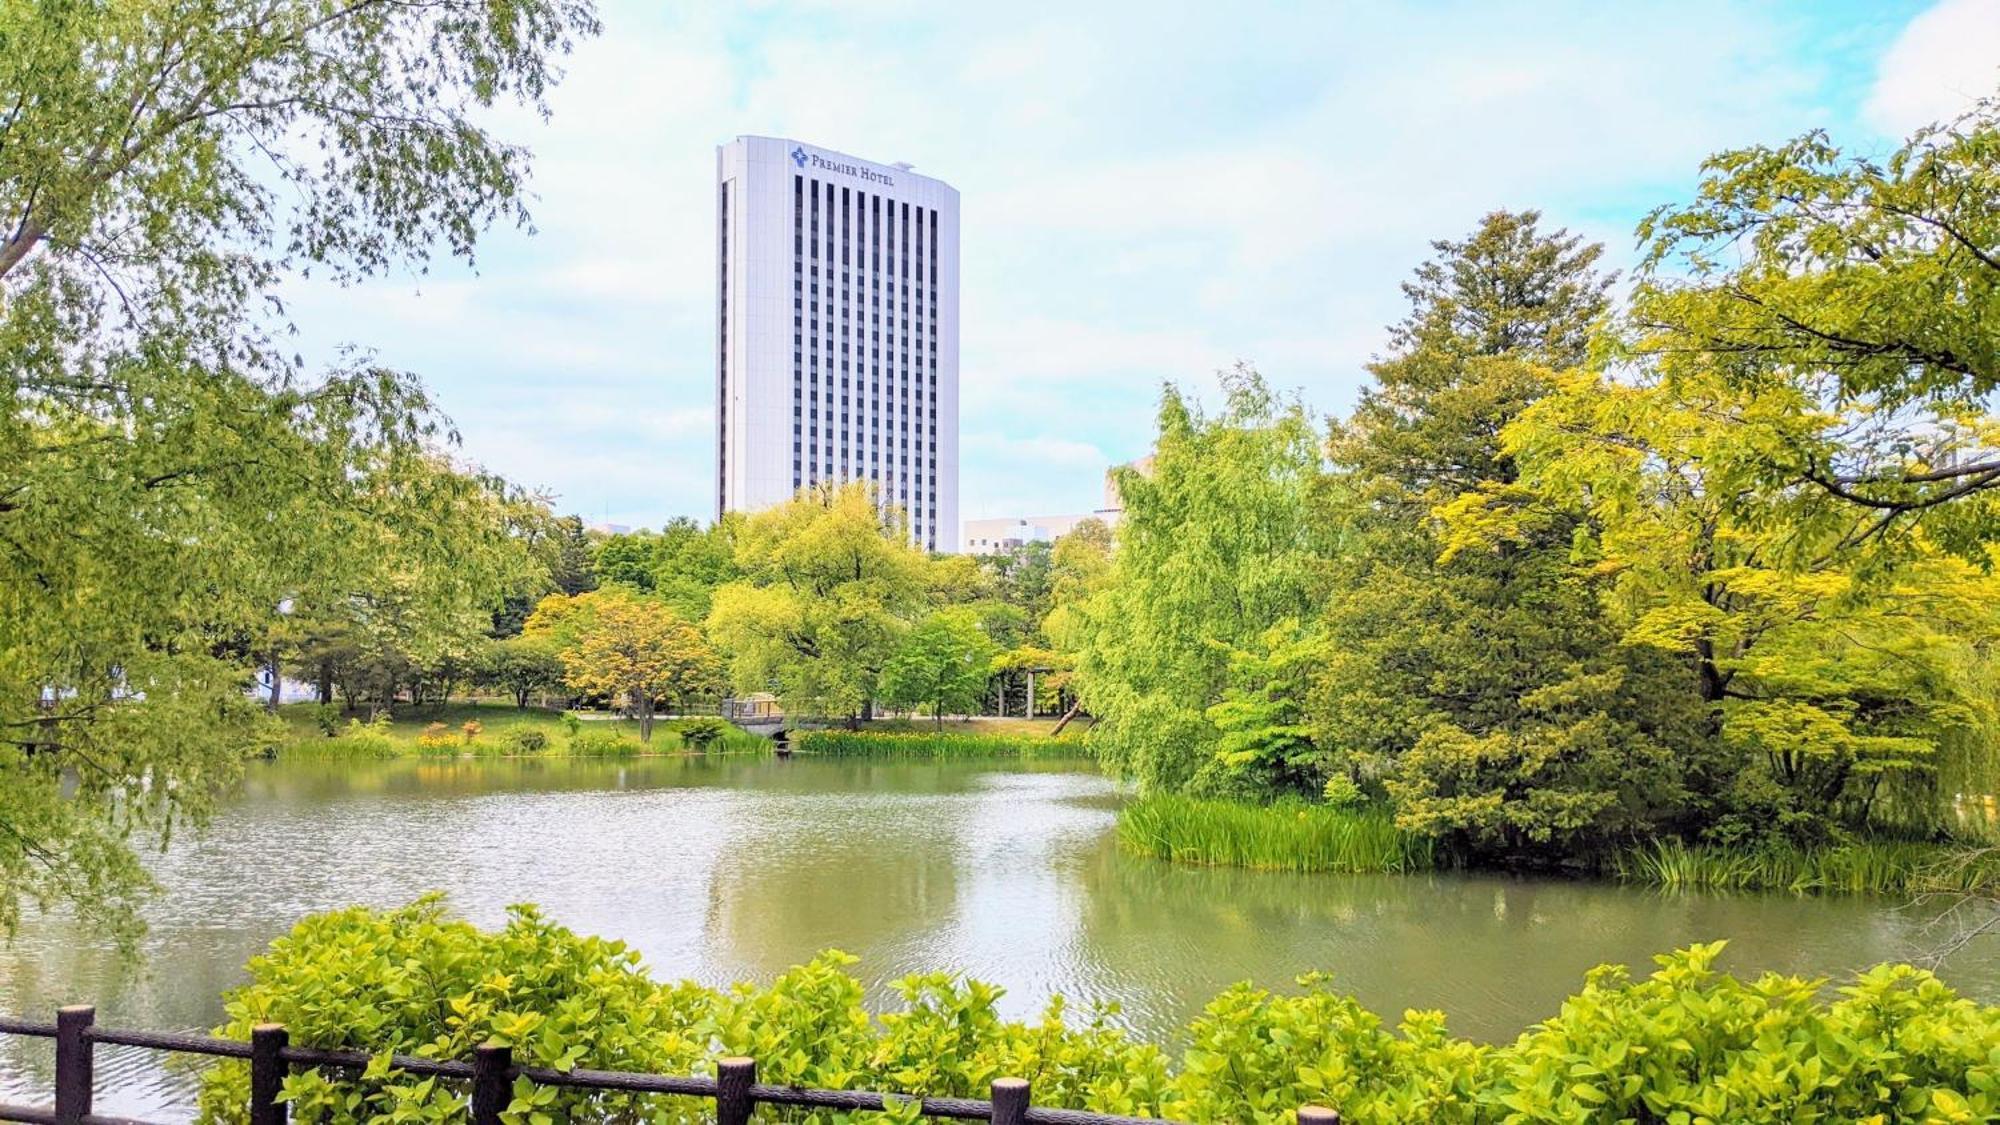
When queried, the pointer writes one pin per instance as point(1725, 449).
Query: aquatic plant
point(1288, 836)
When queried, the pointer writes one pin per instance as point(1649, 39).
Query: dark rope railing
point(491, 1074)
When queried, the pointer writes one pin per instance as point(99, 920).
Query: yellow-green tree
point(829, 587)
point(621, 644)
point(169, 474)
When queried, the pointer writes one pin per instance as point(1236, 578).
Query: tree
point(522, 666)
point(1216, 546)
point(168, 474)
point(1871, 289)
point(683, 562)
point(1482, 691)
point(828, 590)
point(637, 648)
point(1831, 667)
point(943, 664)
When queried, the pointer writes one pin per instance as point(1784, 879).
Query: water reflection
point(727, 868)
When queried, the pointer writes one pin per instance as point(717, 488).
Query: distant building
point(837, 331)
point(1008, 533)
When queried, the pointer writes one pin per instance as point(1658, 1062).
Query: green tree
point(636, 648)
point(828, 590)
point(1871, 287)
point(522, 666)
point(942, 664)
point(1831, 678)
point(1482, 691)
point(168, 475)
point(1216, 546)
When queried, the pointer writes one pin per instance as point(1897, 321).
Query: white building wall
point(772, 359)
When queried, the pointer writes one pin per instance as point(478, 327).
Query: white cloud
point(1150, 193)
point(1947, 58)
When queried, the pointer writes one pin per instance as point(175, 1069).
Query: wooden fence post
point(1317, 1115)
point(491, 1082)
point(74, 1077)
point(1010, 1101)
point(267, 1073)
point(733, 1078)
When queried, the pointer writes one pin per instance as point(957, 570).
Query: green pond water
point(737, 867)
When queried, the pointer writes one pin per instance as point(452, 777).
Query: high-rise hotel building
point(837, 331)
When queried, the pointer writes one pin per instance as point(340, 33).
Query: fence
point(491, 1074)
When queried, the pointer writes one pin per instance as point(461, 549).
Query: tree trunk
point(277, 681)
point(642, 705)
point(1073, 709)
point(325, 682)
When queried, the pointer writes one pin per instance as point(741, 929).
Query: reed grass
point(1859, 867)
point(840, 743)
point(1282, 837)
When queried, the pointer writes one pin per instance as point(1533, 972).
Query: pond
point(737, 867)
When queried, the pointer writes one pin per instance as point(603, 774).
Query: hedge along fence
point(495, 1086)
point(856, 744)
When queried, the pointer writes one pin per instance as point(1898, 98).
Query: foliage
point(1870, 289)
point(604, 744)
point(937, 745)
point(1483, 691)
point(1829, 667)
point(437, 736)
point(522, 666)
point(618, 644)
point(1216, 546)
point(828, 590)
point(1264, 746)
point(701, 733)
point(1686, 1043)
point(942, 665)
point(682, 564)
point(1286, 836)
point(1874, 866)
point(527, 740)
point(169, 476)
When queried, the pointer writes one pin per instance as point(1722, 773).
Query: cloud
point(1150, 193)
point(1947, 58)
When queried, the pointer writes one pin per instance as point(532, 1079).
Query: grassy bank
point(950, 744)
point(1864, 866)
point(500, 729)
point(1284, 837)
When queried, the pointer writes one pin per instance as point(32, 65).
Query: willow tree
point(828, 589)
point(170, 476)
point(1215, 548)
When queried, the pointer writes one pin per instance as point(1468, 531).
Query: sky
point(1150, 193)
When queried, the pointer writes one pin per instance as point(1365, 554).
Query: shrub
point(471, 729)
point(437, 736)
point(1289, 836)
point(603, 744)
point(326, 717)
point(527, 740)
point(701, 733)
point(1686, 1044)
point(359, 740)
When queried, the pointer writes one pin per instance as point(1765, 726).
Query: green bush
point(1288, 836)
point(699, 734)
point(603, 744)
point(1686, 1044)
point(326, 717)
point(527, 740)
point(359, 740)
point(920, 744)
